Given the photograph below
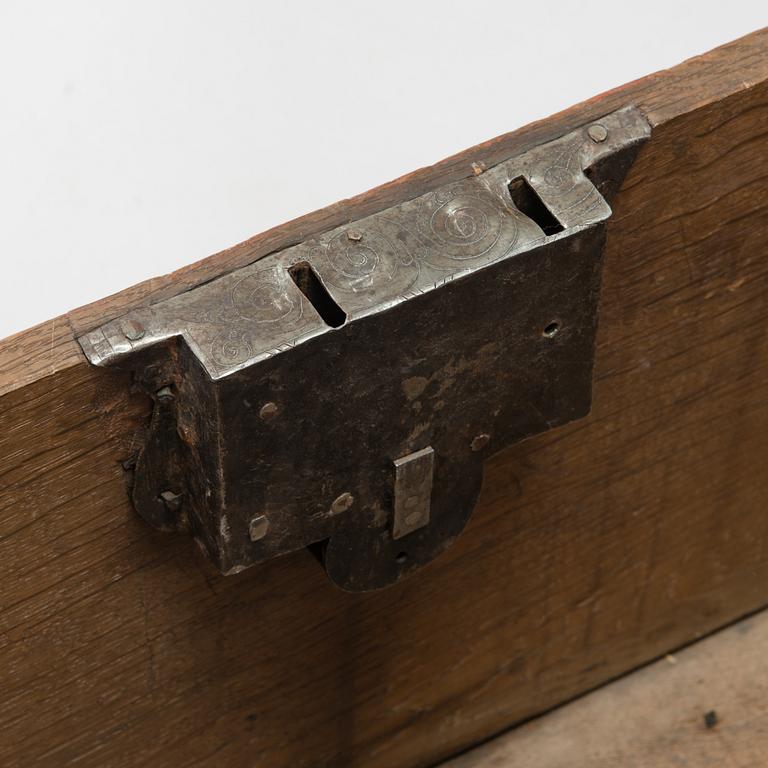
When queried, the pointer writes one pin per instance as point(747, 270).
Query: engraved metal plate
point(426, 337)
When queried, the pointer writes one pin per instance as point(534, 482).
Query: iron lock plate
point(344, 392)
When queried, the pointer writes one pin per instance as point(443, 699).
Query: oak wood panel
point(656, 716)
point(593, 548)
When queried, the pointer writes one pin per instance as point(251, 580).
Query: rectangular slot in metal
point(527, 201)
point(312, 287)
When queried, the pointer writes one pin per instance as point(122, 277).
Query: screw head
point(342, 503)
point(480, 442)
point(258, 527)
point(132, 329)
point(268, 411)
point(597, 132)
point(355, 235)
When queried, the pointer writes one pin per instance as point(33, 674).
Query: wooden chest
point(594, 547)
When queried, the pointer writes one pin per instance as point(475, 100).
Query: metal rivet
point(355, 235)
point(342, 503)
point(171, 500)
point(258, 527)
point(166, 393)
point(133, 330)
point(268, 411)
point(598, 133)
point(480, 442)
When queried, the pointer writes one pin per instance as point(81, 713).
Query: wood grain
point(656, 716)
point(593, 549)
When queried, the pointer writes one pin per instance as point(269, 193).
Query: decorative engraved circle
point(463, 225)
point(559, 177)
point(262, 297)
point(563, 174)
point(231, 347)
point(460, 222)
point(372, 260)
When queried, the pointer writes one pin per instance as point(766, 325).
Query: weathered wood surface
point(593, 549)
point(656, 717)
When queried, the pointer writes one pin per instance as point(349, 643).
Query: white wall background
point(138, 136)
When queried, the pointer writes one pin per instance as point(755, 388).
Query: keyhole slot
point(528, 202)
point(309, 283)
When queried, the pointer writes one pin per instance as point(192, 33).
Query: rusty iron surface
point(449, 326)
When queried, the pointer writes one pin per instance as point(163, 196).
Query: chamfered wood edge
point(703, 706)
point(47, 348)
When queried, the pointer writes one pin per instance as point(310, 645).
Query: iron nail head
point(171, 500)
point(268, 411)
point(165, 393)
point(597, 132)
point(480, 442)
point(342, 503)
point(258, 527)
point(133, 330)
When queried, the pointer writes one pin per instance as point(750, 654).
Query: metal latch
point(344, 392)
